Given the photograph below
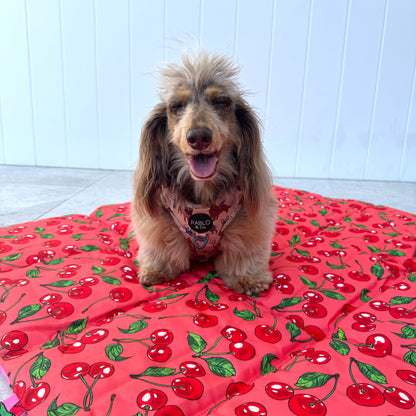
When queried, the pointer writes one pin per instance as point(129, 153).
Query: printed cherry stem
point(14, 304)
point(113, 396)
point(92, 304)
point(289, 366)
point(336, 376)
point(7, 264)
point(130, 340)
point(197, 294)
point(90, 395)
point(18, 321)
point(26, 362)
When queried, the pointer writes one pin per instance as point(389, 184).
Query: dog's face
point(202, 125)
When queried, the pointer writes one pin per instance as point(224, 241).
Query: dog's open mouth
point(203, 165)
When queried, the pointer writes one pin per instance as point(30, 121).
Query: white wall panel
point(333, 81)
point(44, 37)
point(15, 85)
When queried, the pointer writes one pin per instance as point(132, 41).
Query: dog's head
point(202, 138)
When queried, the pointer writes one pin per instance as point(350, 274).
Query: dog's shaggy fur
point(203, 94)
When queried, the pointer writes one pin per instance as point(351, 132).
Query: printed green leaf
point(308, 282)
point(157, 372)
point(408, 332)
point(323, 212)
point(369, 371)
point(377, 270)
point(77, 237)
point(97, 270)
point(312, 379)
point(111, 280)
point(4, 411)
point(339, 335)
point(340, 347)
point(396, 253)
point(51, 344)
point(76, 327)
point(412, 277)
point(211, 296)
point(315, 223)
point(134, 327)
point(12, 257)
point(288, 302)
point(53, 262)
point(410, 357)
point(61, 283)
point(39, 229)
point(172, 296)
point(364, 297)
point(295, 239)
point(99, 213)
point(114, 351)
point(304, 253)
point(333, 295)
point(220, 366)
point(335, 266)
point(32, 273)
point(244, 314)
point(266, 366)
point(40, 367)
point(210, 275)
point(401, 300)
point(65, 409)
point(373, 249)
point(293, 330)
point(47, 236)
point(28, 310)
point(89, 248)
point(196, 342)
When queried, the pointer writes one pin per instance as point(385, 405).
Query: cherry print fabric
point(334, 334)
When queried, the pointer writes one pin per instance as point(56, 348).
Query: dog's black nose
point(199, 139)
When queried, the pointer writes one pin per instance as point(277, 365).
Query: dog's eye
point(221, 102)
point(176, 106)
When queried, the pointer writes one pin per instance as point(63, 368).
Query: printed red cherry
point(110, 261)
point(408, 376)
point(267, 333)
point(359, 276)
point(75, 370)
point(400, 312)
point(155, 306)
point(50, 298)
point(365, 394)
point(19, 389)
point(318, 357)
point(14, 354)
point(301, 352)
point(200, 305)
point(159, 353)
point(34, 395)
point(60, 310)
point(297, 320)
point(14, 340)
point(89, 281)
point(306, 405)
point(251, 409)
point(377, 345)
point(242, 350)
point(313, 297)
point(189, 388)
point(217, 307)
point(333, 278)
point(162, 336)
point(94, 336)
point(101, 370)
point(312, 270)
point(285, 288)
point(344, 287)
point(79, 292)
point(315, 332)
point(205, 321)
point(364, 326)
point(191, 369)
point(365, 317)
point(399, 397)
point(170, 410)
point(121, 294)
point(237, 389)
point(314, 310)
point(73, 348)
point(279, 390)
point(151, 399)
point(233, 334)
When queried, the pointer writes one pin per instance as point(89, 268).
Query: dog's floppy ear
point(252, 168)
point(152, 171)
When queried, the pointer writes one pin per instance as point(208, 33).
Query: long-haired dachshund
point(202, 189)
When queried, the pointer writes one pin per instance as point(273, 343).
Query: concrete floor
point(31, 193)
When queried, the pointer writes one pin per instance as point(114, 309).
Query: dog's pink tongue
point(203, 166)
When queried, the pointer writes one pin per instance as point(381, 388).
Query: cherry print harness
point(203, 226)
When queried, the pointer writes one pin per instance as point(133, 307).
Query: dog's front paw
point(149, 276)
point(249, 284)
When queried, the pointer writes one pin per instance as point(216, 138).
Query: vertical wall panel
point(147, 39)
point(358, 89)
point(15, 85)
point(253, 49)
point(327, 36)
point(79, 59)
point(391, 107)
point(218, 29)
point(182, 26)
point(47, 85)
point(113, 82)
point(288, 68)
